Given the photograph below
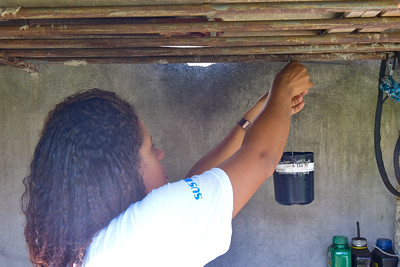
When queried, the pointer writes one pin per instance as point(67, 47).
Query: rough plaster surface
point(188, 110)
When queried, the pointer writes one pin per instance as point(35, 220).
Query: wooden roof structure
point(171, 31)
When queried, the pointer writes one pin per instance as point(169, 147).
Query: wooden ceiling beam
point(209, 10)
point(207, 51)
point(337, 57)
point(172, 31)
point(206, 42)
point(207, 27)
point(75, 3)
point(155, 36)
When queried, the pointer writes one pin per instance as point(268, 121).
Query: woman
point(97, 194)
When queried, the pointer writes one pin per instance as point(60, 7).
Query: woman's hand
point(293, 79)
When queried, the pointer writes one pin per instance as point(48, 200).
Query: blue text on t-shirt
point(195, 189)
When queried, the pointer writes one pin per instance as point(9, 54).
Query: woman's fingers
point(298, 107)
point(305, 92)
point(297, 100)
point(298, 103)
point(293, 78)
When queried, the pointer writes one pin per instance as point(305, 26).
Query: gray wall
point(187, 110)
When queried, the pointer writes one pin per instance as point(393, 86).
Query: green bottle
point(339, 253)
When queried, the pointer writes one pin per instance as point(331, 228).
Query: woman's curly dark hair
point(85, 172)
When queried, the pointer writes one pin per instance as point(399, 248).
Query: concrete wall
point(188, 109)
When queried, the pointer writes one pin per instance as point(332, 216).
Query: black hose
point(397, 147)
point(396, 160)
point(377, 139)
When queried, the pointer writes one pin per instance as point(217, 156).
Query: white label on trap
point(295, 167)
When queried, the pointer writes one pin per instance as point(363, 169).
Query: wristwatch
point(243, 123)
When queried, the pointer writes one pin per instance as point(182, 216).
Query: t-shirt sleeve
point(186, 223)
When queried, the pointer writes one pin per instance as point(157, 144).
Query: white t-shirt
point(186, 223)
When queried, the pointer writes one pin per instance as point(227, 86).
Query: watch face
point(244, 123)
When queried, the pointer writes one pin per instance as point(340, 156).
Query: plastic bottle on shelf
point(383, 254)
point(360, 255)
point(339, 253)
